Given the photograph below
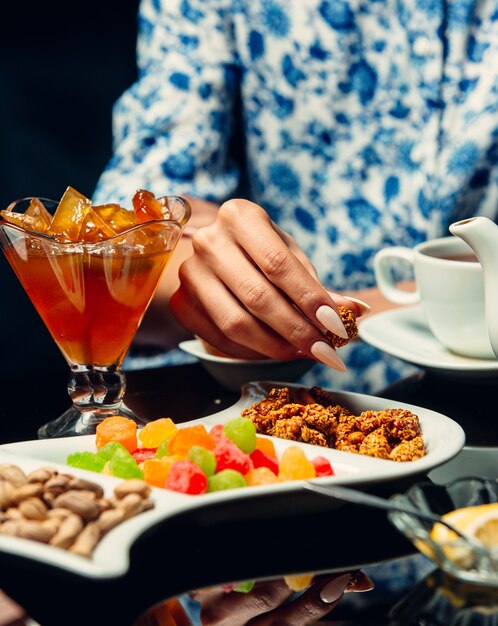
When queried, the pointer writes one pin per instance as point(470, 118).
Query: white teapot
point(481, 234)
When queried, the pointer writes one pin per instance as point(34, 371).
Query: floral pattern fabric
point(356, 124)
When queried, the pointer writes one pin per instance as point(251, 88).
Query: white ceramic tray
point(444, 439)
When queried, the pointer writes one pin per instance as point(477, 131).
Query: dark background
point(62, 67)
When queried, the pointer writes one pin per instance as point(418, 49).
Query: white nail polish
point(364, 307)
point(335, 589)
point(326, 354)
point(331, 321)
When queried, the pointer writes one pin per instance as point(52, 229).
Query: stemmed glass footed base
point(97, 393)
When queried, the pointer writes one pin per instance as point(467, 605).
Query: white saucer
point(403, 333)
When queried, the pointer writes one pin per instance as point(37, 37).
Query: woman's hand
point(249, 290)
point(272, 602)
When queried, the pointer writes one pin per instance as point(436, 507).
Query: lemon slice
point(479, 523)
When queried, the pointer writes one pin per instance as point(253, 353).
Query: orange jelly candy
point(266, 446)
point(156, 470)
point(117, 428)
point(154, 433)
point(190, 436)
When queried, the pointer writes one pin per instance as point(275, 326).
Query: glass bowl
point(467, 562)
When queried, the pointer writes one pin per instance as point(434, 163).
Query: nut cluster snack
point(314, 417)
point(349, 321)
point(63, 510)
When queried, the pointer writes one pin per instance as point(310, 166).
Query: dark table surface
point(224, 543)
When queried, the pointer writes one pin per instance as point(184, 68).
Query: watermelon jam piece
point(230, 456)
point(186, 477)
point(322, 466)
point(260, 459)
point(142, 454)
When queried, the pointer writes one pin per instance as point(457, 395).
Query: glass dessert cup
point(92, 298)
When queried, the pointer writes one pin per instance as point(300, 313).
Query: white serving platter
point(444, 439)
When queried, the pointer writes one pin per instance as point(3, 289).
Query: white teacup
point(449, 287)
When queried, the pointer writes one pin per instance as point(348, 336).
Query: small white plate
point(232, 373)
point(444, 439)
point(403, 333)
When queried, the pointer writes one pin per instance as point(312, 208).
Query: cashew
point(27, 490)
point(6, 494)
point(133, 485)
point(86, 540)
point(68, 530)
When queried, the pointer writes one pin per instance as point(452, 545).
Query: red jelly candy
point(322, 466)
point(260, 459)
point(217, 433)
point(186, 477)
point(143, 454)
point(230, 456)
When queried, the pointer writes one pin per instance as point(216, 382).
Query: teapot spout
point(481, 234)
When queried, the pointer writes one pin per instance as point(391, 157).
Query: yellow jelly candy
point(295, 466)
point(154, 433)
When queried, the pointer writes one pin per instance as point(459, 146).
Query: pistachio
point(6, 494)
point(132, 504)
point(68, 530)
point(12, 473)
point(27, 490)
point(78, 503)
point(33, 508)
point(109, 519)
point(86, 485)
point(35, 530)
point(134, 485)
point(40, 475)
point(87, 540)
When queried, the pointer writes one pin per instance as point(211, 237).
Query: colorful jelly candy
point(156, 470)
point(185, 438)
point(242, 432)
point(204, 458)
point(86, 460)
point(142, 454)
point(157, 431)
point(266, 446)
point(230, 456)
point(295, 466)
point(123, 465)
point(186, 477)
point(117, 428)
point(163, 449)
point(226, 479)
point(261, 476)
point(261, 459)
point(322, 466)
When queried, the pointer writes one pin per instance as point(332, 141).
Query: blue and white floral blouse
point(356, 124)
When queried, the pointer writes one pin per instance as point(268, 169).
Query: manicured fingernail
point(363, 306)
point(326, 354)
point(331, 320)
point(335, 589)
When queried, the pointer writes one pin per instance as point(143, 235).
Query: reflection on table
point(196, 551)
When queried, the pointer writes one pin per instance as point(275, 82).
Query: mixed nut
point(63, 510)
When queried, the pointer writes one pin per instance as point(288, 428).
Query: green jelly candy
point(124, 466)
point(242, 432)
point(226, 479)
point(162, 449)
point(108, 451)
point(86, 460)
point(203, 458)
point(244, 587)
